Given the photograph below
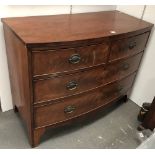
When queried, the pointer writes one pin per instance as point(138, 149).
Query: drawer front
point(123, 68)
point(76, 105)
point(48, 62)
point(78, 82)
point(68, 84)
point(127, 47)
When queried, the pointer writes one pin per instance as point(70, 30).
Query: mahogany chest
point(67, 68)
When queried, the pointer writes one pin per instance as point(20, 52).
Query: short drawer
point(122, 68)
point(127, 47)
point(78, 82)
point(77, 105)
point(62, 60)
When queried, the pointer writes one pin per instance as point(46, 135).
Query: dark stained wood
point(37, 134)
point(82, 103)
point(62, 28)
point(81, 70)
point(128, 47)
point(39, 51)
point(123, 67)
point(15, 109)
point(18, 63)
point(48, 62)
point(84, 118)
point(56, 87)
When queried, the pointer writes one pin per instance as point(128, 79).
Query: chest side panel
point(18, 63)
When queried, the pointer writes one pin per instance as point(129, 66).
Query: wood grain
point(56, 87)
point(65, 28)
point(20, 75)
point(128, 47)
point(47, 54)
point(49, 62)
point(83, 103)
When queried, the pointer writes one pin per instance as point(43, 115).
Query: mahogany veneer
point(52, 61)
point(65, 68)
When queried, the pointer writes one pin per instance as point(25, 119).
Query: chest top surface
point(72, 27)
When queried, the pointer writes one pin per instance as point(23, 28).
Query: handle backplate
point(69, 109)
point(119, 88)
point(71, 85)
point(125, 66)
point(132, 45)
point(75, 58)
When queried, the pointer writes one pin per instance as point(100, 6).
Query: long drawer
point(78, 82)
point(127, 47)
point(62, 60)
point(76, 105)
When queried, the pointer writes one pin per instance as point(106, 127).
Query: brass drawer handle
point(74, 59)
point(72, 85)
point(119, 88)
point(69, 109)
point(132, 45)
point(125, 66)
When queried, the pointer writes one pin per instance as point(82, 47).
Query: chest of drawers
point(67, 68)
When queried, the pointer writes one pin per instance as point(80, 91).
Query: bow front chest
point(65, 69)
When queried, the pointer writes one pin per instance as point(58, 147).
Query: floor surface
point(116, 130)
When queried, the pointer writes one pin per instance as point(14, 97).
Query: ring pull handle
point(125, 66)
point(72, 85)
point(69, 109)
point(75, 58)
point(119, 88)
point(132, 45)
